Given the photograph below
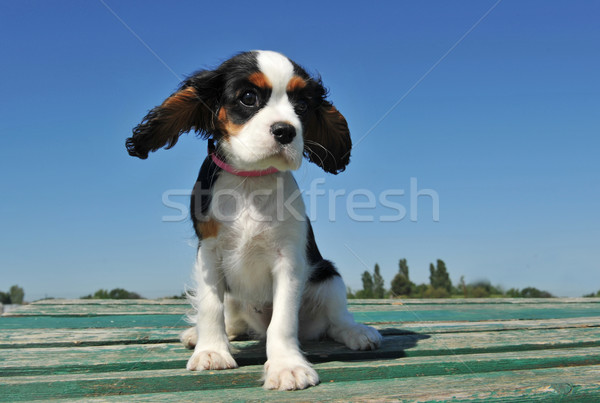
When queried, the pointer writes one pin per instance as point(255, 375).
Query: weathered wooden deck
point(493, 349)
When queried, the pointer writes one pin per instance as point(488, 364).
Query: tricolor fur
point(259, 271)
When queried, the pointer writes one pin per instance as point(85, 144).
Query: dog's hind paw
point(361, 337)
point(189, 337)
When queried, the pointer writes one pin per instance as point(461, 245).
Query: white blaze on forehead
point(278, 69)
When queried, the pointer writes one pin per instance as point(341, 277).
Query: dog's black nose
point(283, 132)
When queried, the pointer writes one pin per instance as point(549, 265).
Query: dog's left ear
point(192, 106)
point(327, 140)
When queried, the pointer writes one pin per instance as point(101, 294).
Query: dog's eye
point(301, 106)
point(249, 98)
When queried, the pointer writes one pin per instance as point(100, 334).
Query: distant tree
point(117, 293)
point(463, 287)
point(101, 294)
point(420, 290)
point(513, 293)
point(479, 292)
point(4, 298)
point(531, 292)
point(481, 289)
point(16, 294)
point(378, 283)
point(439, 277)
point(183, 295)
point(404, 268)
point(367, 290)
point(368, 284)
point(592, 295)
point(432, 274)
point(401, 284)
point(431, 292)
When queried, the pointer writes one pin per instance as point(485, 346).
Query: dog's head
point(260, 107)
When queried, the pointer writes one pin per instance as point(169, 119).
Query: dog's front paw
point(289, 375)
point(210, 360)
point(361, 337)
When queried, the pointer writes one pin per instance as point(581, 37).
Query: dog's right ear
point(192, 106)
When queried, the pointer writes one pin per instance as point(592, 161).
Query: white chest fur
point(261, 220)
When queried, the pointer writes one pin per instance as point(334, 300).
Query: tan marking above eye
point(260, 80)
point(296, 83)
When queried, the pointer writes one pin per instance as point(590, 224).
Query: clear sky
point(501, 125)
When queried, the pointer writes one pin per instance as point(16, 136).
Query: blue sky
point(504, 129)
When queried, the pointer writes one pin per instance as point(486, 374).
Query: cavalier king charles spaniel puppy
point(258, 269)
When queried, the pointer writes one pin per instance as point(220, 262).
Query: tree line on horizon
point(15, 295)
point(440, 286)
point(116, 293)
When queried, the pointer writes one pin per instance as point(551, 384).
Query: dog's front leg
point(212, 345)
point(286, 368)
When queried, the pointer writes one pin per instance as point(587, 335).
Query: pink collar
point(225, 166)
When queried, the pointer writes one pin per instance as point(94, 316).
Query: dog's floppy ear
point(327, 140)
point(192, 106)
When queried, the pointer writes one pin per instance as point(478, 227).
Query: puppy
point(258, 269)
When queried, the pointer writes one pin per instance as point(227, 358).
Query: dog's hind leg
point(341, 325)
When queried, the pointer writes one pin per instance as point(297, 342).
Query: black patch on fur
point(202, 193)
point(322, 269)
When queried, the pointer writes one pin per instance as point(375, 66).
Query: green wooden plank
point(124, 302)
point(178, 380)
point(77, 322)
point(465, 327)
point(542, 385)
point(402, 314)
point(12, 338)
point(592, 307)
point(477, 313)
point(17, 362)
point(149, 307)
point(403, 301)
point(370, 317)
point(18, 338)
point(100, 310)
